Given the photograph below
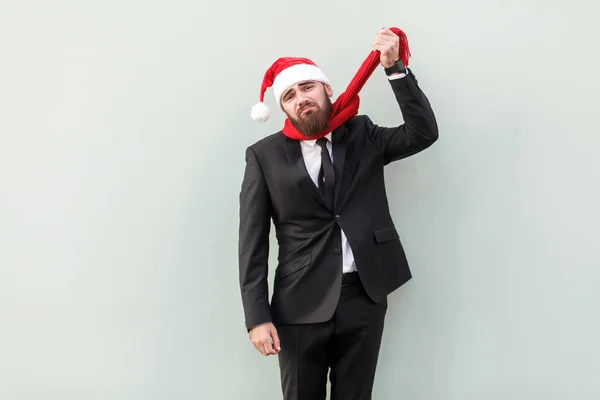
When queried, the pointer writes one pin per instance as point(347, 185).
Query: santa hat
point(288, 71)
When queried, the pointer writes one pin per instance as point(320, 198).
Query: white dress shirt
point(311, 152)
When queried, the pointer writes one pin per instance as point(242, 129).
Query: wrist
point(395, 69)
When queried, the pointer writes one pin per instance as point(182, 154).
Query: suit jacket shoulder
point(356, 124)
point(267, 143)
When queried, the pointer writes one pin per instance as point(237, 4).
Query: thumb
point(275, 336)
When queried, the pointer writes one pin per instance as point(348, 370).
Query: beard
point(315, 121)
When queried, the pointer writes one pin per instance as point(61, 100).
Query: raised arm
point(419, 130)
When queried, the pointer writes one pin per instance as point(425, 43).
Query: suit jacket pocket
point(294, 265)
point(385, 234)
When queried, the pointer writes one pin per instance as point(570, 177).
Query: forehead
point(299, 85)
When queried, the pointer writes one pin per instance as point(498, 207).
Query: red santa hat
point(284, 73)
point(288, 71)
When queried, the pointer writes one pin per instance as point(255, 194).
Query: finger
point(269, 347)
point(385, 45)
point(257, 347)
point(392, 38)
point(276, 342)
point(261, 349)
point(378, 44)
point(383, 40)
point(383, 48)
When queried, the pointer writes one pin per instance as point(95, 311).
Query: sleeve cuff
point(392, 77)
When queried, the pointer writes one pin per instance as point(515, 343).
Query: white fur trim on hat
point(295, 74)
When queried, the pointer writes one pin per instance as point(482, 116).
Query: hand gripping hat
point(288, 71)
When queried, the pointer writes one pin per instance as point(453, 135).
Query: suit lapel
point(339, 139)
point(344, 164)
point(298, 167)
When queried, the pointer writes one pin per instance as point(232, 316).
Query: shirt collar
point(312, 142)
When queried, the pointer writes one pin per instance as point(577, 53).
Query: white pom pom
point(260, 112)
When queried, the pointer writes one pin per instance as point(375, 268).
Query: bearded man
point(339, 253)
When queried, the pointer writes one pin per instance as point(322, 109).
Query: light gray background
point(122, 134)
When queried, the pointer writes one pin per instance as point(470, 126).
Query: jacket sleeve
point(253, 246)
point(419, 130)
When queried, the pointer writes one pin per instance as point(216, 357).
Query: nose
point(301, 97)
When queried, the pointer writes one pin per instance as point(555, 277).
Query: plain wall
point(122, 134)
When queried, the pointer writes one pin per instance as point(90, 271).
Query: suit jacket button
point(337, 217)
point(337, 251)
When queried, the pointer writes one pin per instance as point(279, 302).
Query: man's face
point(308, 106)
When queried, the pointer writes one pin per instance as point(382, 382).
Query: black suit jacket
point(276, 186)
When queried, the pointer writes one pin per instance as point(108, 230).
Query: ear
point(328, 90)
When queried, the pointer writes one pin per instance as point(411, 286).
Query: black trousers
point(346, 347)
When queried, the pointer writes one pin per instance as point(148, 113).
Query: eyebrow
point(300, 85)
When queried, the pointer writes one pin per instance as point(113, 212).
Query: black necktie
point(326, 174)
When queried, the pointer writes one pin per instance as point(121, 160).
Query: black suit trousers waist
point(348, 345)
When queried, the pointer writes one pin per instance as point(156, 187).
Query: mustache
point(305, 106)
